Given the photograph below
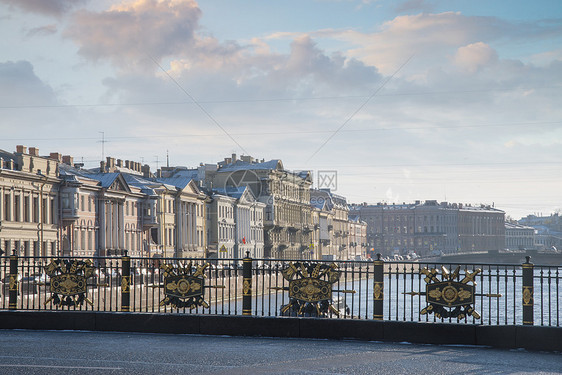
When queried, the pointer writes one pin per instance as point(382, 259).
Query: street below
point(77, 352)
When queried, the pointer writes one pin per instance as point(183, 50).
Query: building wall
point(519, 237)
point(28, 213)
point(286, 195)
point(222, 226)
point(430, 228)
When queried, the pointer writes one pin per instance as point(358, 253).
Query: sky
point(456, 101)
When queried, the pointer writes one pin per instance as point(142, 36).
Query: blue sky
point(407, 100)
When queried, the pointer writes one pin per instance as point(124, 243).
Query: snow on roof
point(231, 191)
point(241, 165)
point(105, 179)
point(177, 181)
point(146, 186)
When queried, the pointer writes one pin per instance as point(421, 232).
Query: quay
point(505, 306)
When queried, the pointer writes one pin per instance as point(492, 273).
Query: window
point(44, 210)
point(35, 209)
point(52, 212)
point(17, 208)
point(83, 240)
point(26, 209)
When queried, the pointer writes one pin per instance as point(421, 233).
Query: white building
point(235, 223)
point(519, 237)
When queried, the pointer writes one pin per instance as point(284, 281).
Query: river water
point(503, 307)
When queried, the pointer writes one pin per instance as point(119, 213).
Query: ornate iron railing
point(476, 293)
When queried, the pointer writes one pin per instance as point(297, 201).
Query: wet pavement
point(74, 352)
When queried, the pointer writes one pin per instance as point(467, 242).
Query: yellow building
point(28, 203)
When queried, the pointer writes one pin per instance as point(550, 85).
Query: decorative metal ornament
point(449, 296)
point(184, 285)
point(69, 281)
point(310, 289)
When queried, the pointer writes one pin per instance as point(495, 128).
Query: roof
point(509, 225)
point(147, 187)
point(6, 155)
point(105, 179)
point(192, 174)
point(69, 173)
point(274, 164)
point(234, 192)
point(177, 180)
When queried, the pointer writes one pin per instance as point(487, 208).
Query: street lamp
point(42, 215)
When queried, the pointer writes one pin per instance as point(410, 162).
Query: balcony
point(69, 214)
point(149, 221)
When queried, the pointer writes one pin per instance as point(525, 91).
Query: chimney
point(20, 149)
point(146, 171)
point(127, 164)
point(110, 164)
point(33, 151)
point(102, 166)
point(233, 158)
point(55, 156)
point(119, 163)
point(67, 159)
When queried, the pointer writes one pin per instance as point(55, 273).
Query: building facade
point(286, 196)
point(357, 238)
point(29, 203)
point(519, 237)
point(51, 206)
point(431, 228)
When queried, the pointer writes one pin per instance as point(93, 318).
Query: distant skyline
point(406, 100)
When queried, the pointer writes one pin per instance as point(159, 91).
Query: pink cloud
point(474, 56)
point(129, 33)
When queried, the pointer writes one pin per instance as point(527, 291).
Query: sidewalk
point(67, 352)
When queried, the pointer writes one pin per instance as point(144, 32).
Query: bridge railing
point(471, 293)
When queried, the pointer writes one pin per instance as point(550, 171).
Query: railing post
point(13, 289)
point(247, 285)
point(528, 292)
point(125, 282)
point(378, 288)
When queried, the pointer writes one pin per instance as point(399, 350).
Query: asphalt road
point(92, 353)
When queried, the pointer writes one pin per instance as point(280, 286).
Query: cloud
point(131, 34)
point(223, 73)
point(42, 31)
point(475, 56)
point(431, 37)
point(414, 5)
point(47, 7)
point(19, 86)
point(307, 65)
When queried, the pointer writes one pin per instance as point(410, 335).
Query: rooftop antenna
point(167, 159)
point(156, 161)
point(103, 142)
